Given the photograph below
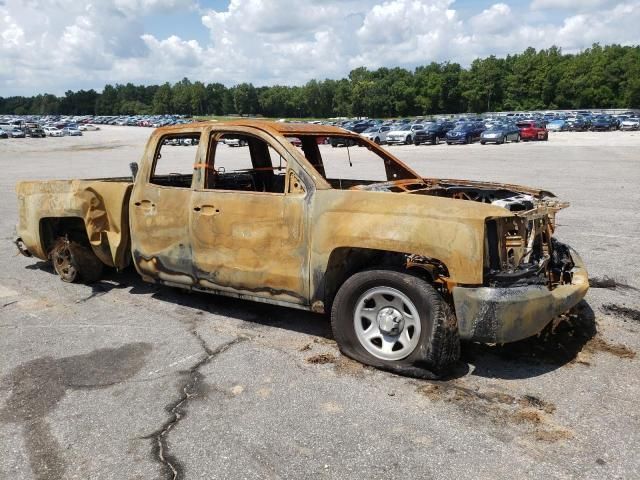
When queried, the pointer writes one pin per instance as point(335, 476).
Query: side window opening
point(246, 163)
point(174, 160)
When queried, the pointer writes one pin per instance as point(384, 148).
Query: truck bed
point(101, 205)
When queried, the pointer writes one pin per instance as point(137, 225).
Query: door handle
point(206, 210)
point(146, 204)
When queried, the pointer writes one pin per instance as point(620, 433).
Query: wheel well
point(53, 228)
point(346, 261)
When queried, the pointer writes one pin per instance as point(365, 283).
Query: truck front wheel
point(74, 262)
point(394, 321)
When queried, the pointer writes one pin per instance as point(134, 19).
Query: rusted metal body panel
point(502, 315)
point(264, 253)
point(250, 244)
point(277, 247)
point(102, 205)
point(159, 221)
point(433, 227)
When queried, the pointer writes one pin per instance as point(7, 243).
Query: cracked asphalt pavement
point(123, 379)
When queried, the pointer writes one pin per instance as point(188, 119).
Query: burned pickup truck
point(406, 266)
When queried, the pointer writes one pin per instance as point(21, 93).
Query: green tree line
point(598, 77)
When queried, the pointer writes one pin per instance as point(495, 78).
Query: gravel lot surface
point(107, 381)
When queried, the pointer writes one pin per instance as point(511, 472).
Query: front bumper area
point(396, 140)
point(509, 314)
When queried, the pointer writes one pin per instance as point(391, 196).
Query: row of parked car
point(463, 131)
point(153, 121)
point(597, 123)
point(497, 128)
point(12, 128)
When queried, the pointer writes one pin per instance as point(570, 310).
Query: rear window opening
point(174, 159)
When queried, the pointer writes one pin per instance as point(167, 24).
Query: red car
point(531, 130)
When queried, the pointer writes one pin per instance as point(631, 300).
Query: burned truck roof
point(279, 128)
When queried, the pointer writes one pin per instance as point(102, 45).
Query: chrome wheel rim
point(387, 323)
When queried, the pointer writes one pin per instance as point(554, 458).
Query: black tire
point(74, 262)
point(468, 140)
point(438, 345)
point(518, 138)
point(448, 143)
point(483, 142)
point(436, 140)
point(407, 141)
point(377, 141)
point(416, 143)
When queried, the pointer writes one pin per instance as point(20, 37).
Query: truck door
point(159, 208)
point(249, 231)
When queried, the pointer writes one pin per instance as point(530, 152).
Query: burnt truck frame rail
point(404, 265)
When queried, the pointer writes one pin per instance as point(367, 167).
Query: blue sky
point(56, 45)
point(184, 23)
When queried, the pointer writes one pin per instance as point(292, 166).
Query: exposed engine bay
point(519, 249)
point(512, 197)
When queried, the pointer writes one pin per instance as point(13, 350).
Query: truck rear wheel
point(74, 262)
point(394, 321)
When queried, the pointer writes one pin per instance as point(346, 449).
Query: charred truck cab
point(406, 266)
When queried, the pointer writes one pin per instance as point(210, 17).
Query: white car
point(377, 134)
point(88, 128)
point(53, 132)
point(630, 124)
point(72, 131)
point(403, 133)
point(234, 142)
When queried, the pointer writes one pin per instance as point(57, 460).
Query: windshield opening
point(348, 161)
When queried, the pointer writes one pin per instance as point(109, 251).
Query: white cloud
point(573, 5)
point(55, 45)
point(174, 50)
point(405, 32)
point(142, 7)
point(496, 19)
point(12, 34)
point(618, 25)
